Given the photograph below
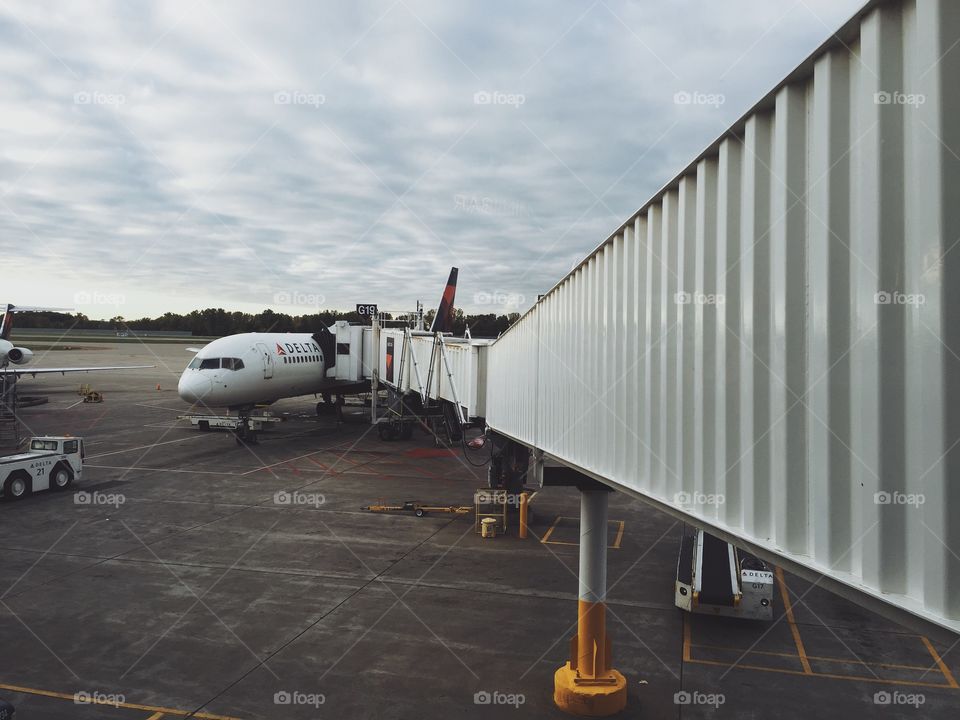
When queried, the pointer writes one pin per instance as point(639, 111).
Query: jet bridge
point(769, 349)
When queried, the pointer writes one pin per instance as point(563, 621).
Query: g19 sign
point(366, 310)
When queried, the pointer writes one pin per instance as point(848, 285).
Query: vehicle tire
point(419, 512)
point(17, 486)
point(386, 431)
point(204, 425)
point(61, 477)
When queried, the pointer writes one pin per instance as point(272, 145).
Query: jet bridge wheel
point(387, 431)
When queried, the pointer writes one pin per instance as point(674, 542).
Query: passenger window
point(210, 364)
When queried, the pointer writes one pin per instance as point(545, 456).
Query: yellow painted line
point(129, 706)
point(939, 661)
point(812, 657)
point(155, 716)
point(795, 631)
point(546, 538)
point(553, 527)
point(616, 543)
point(830, 676)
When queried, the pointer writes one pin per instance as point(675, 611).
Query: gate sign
point(367, 310)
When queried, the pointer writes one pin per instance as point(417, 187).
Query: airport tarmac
point(203, 579)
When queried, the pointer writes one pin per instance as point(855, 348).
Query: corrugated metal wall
point(771, 344)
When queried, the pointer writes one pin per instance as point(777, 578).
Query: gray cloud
point(190, 154)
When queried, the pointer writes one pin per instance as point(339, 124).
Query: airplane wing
point(20, 372)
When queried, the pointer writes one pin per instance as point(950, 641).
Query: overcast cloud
point(179, 155)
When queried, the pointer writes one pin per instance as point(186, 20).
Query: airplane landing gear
point(244, 434)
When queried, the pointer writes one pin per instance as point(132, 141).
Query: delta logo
point(296, 348)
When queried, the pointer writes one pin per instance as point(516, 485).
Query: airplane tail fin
point(6, 325)
point(443, 320)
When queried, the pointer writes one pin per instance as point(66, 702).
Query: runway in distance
point(13, 355)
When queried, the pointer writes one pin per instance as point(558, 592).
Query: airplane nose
point(194, 386)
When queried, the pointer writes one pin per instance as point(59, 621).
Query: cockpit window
point(232, 364)
point(210, 364)
point(194, 364)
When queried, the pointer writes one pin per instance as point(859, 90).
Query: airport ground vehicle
point(49, 463)
point(717, 578)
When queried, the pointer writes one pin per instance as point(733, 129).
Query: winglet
point(443, 320)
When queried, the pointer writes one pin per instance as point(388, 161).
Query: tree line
point(217, 322)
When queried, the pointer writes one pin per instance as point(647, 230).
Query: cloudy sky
point(178, 155)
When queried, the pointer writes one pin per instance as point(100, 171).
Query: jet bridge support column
point(587, 684)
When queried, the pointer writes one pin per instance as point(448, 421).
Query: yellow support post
point(524, 499)
point(587, 684)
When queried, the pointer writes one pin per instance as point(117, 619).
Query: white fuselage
point(254, 368)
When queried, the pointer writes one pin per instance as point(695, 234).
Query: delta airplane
point(238, 372)
point(12, 354)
